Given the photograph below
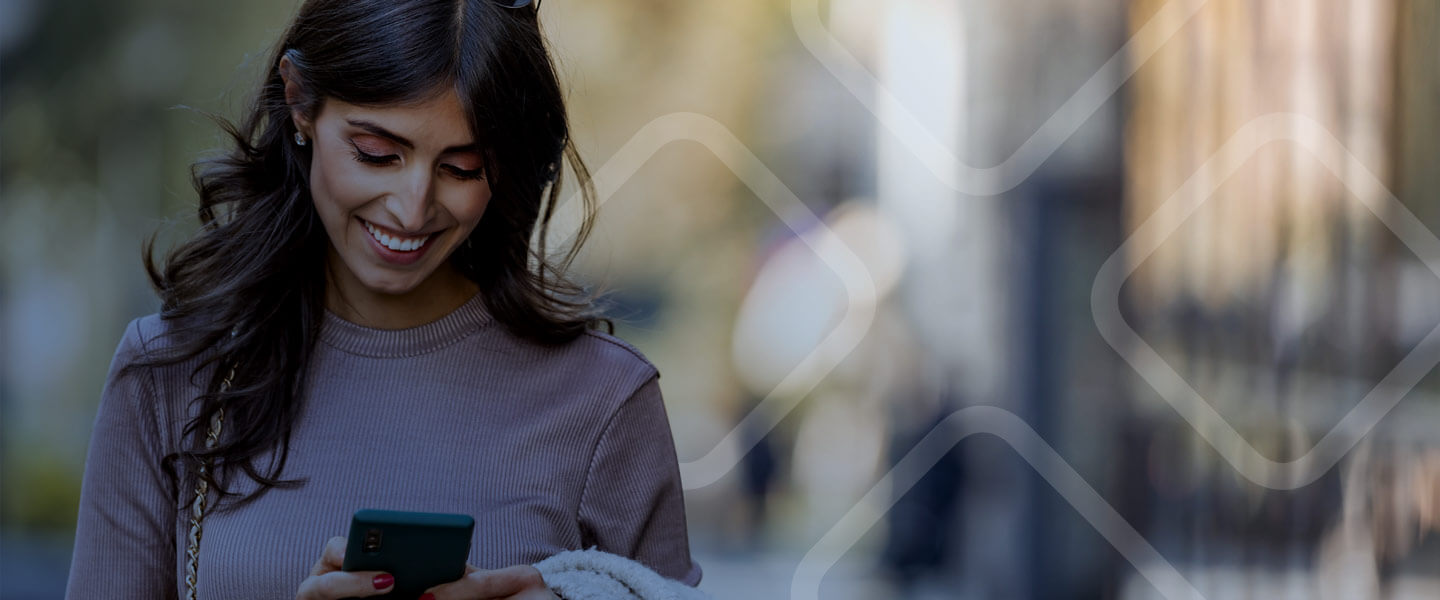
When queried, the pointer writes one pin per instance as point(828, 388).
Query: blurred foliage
point(97, 137)
point(43, 493)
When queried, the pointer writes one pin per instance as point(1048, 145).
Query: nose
point(411, 206)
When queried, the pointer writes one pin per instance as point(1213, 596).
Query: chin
point(391, 284)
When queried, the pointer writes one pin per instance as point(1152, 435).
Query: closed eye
point(464, 174)
point(371, 158)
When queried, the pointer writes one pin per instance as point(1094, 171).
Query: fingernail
point(428, 596)
point(384, 580)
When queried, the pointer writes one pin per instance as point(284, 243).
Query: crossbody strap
point(197, 508)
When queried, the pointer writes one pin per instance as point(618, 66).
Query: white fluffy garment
point(595, 575)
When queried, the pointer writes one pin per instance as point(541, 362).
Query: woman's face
point(398, 189)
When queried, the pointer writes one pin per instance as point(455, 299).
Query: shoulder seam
point(600, 440)
point(153, 401)
point(626, 346)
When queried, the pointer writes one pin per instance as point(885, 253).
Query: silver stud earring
point(299, 139)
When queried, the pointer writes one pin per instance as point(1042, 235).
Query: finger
point(499, 583)
point(541, 593)
point(536, 594)
point(344, 584)
point(332, 558)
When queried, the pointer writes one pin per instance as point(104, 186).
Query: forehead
point(437, 121)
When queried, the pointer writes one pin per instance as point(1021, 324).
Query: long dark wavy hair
point(247, 290)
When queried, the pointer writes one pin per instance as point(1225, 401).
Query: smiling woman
point(362, 307)
point(394, 209)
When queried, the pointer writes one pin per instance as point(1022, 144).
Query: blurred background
point(1171, 246)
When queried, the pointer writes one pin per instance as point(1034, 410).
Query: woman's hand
point(328, 582)
point(518, 582)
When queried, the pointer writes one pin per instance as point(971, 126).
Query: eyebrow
point(394, 137)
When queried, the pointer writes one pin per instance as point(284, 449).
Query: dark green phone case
point(420, 549)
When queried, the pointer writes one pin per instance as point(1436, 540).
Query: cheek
point(468, 204)
point(337, 186)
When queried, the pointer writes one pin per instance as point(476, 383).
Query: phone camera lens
point(372, 541)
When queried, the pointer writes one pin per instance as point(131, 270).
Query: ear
point(295, 97)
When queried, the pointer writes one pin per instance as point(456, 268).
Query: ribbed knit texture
point(548, 448)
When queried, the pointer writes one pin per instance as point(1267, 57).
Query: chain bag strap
point(197, 508)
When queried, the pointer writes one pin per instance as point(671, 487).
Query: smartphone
point(422, 550)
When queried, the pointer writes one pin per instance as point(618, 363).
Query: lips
point(395, 248)
point(393, 241)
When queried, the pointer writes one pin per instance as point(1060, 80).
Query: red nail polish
point(428, 596)
point(383, 581)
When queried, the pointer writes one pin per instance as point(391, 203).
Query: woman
point(364, 303)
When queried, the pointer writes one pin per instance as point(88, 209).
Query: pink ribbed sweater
point(548, 448)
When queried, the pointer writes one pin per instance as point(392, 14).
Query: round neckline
point(412, 341)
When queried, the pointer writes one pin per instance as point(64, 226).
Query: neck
point(440, 294)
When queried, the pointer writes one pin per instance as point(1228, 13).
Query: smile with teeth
point(397, 244)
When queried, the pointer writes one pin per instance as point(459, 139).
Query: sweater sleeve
point(124, 535)
point(632, 504)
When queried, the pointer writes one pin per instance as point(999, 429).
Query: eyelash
point(385, 160)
